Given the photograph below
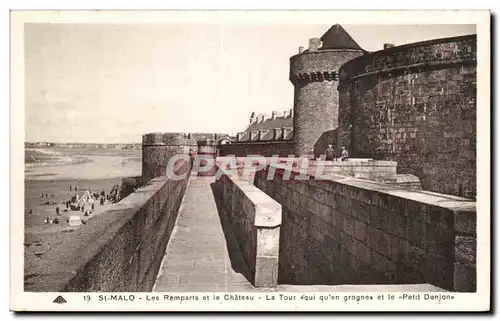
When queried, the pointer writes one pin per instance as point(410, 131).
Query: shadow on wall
point(327, 138)
point(237, 261)
point(343, 137)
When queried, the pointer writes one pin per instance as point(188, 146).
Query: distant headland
point(83, 145)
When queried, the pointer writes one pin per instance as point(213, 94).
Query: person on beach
point(330, 153)
point(92, 206)
point(57, 210)
point(70, 188)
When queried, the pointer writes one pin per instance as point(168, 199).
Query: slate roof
point(270, 124)
point(337, 38)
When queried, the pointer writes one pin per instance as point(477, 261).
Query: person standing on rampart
point(330, 153)
point(344, 154)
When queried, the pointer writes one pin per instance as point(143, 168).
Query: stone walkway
point(199, 259)
point(197, 256)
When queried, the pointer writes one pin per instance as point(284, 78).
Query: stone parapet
point(383, 171)
point(256, 220)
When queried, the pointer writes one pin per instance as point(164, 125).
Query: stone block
point(380, 218)
point(415, 256)
point(348, 243)
point(319, 194)
point(416, 232)
point(397, 224)
point(465, 222)
point(362, 195)
point(464, 278)
point(397, 249)
point(337, 220)
point(439, 272)
point(349, 227)
point(360, 210)
point(383, 201)
point(343, 204)
point(379, 241)
point(331, 253)
point(342, 189)
point(268, 241)
point(441, 242)
point(465, 250)
point(442, 217)
point(360, 231)
point(417, 211)
point(382, 264)
point(344, 258)
point(362, 252)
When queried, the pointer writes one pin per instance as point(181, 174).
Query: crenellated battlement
point(317, 76)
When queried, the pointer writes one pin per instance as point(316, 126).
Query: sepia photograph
point(255, 160)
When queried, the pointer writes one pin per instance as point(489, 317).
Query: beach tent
point(87, 197)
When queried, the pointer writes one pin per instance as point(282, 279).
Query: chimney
point(301, 49)
point(274, 115)
point(314, 44)
point(286, 131)
point(388, 45)
point(254, 134)
point(239, 136)
point(277, 133)
point(252, 118)
point(263, 133)
point(260, 118)
point(290, 113)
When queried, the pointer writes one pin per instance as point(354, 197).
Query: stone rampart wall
point(350, 231)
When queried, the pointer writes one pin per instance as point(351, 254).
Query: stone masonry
point(350, 231)
point(416, 104)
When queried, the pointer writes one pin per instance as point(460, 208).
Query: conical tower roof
point(337, 38)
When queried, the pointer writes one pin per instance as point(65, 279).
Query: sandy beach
point(51, 174)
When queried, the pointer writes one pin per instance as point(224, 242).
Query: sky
point(112, 83)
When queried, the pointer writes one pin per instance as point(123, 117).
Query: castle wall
point(416, 104)
point(314, 76)
point(266, 149)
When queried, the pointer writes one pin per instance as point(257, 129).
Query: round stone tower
point(314, 74)
point(158, 149)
